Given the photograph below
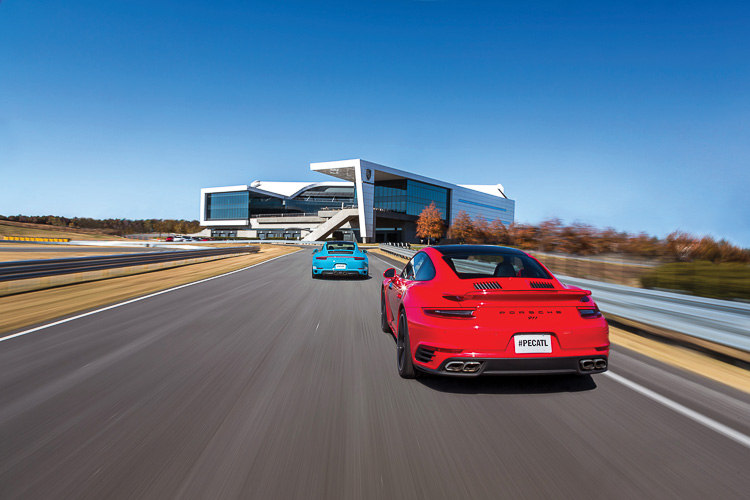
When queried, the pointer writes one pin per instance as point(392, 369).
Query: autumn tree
point(480, 233)
point(525, 236)
point(498, 233)
point(461, 228)
point(430, 223)
point(550, 232)
point(681, 246)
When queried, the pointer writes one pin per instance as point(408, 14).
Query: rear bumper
point(521, 366)
point(342, 272)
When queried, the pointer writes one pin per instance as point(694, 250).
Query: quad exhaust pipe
point(593, 364)
point(460, 366)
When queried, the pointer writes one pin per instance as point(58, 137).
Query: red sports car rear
point(467, 310)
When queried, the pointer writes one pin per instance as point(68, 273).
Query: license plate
point(339, 266)
point(532, 343)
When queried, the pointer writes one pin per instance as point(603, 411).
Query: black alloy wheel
point(403, 351)
point(384, 315)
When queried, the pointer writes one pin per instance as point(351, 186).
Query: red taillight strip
point(451, 313)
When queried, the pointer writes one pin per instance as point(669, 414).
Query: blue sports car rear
point(339, 258)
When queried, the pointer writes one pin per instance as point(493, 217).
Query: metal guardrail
point(398, 250)
point(26, 269)
point(720, 322)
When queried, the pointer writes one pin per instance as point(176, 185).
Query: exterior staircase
point(332, 224)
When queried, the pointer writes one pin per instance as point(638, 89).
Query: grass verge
point(31, 308)
point(684, 358)
point(23, 229)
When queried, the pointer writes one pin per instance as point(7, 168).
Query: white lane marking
point(732, 434)
point(25, 332)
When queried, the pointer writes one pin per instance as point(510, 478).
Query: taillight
point(359, 258)
point(589, 312)
point(321, 258)
point(451, 313)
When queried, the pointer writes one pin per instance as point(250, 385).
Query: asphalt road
point(267, 384)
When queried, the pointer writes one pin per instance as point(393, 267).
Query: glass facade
point(410, 197)
point(227, 206)
point(248, 204)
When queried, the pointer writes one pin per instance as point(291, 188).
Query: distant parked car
point(339, 258)
point(169, 238)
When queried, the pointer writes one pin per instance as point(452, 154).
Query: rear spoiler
point(518, 295)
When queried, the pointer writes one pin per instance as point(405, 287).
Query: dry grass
point(45, 305)
point(8, 228)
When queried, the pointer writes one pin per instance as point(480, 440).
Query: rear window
point(343, 246)
point(495, 265)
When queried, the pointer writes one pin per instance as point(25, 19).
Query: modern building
point(370, 203)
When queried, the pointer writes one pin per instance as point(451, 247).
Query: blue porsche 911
point(340, 258)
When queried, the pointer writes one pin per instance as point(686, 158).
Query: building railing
point(306, 214)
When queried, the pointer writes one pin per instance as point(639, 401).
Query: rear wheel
point(313, 274)
point(384, 315)
point(403, 350)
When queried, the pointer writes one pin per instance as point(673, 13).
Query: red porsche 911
point(469, 310)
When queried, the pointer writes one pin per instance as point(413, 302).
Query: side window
point(416, 263)
point(408, 272)
point(426, 270)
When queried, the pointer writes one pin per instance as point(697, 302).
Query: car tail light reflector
point(359, 258)
point(589, 312)
point(451, 313)
point(321, 258)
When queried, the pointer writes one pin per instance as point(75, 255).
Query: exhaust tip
point(454, 366)
point(472, 366)
point(600, 364)
point(587, 364)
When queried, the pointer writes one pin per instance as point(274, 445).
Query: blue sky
point(634, 115)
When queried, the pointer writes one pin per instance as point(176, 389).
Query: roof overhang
point(346, 170)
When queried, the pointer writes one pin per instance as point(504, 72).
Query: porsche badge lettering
point(533, 314)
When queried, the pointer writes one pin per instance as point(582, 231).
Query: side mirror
point(389, 273)
point(364, 251)
point(316, 251)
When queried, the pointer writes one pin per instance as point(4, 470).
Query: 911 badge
point(533, 343)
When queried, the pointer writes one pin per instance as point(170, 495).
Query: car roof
point(449, 250)
point(341, 241)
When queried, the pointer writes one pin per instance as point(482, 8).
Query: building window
point(410, 197)
point(227, 206)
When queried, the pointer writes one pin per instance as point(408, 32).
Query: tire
point(404, 362)
point(313, 274)
point(383, 316)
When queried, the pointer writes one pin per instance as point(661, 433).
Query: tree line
point(111, 226)
point(553, 235)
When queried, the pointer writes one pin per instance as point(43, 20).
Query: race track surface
point(267, 384)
